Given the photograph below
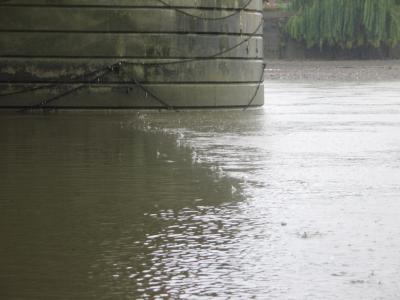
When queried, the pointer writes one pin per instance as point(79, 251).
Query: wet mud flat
point(369, 70)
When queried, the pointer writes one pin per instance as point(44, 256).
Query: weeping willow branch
point(345, 23)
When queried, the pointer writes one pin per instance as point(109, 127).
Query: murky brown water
point(297, 200)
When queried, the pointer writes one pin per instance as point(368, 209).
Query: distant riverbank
point(370, 70)
point(278, 46)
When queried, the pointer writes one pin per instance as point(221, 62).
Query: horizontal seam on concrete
point(126, 84)
point(138, 33)
point(204, 59)
point(133, 7)
point(154, 107)
point(131, 57)
point(222, 33)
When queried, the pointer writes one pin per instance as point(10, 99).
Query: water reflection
point(297, 200)
point(78, 195)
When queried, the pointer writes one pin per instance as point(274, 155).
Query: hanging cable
point(117, 66)
point(260, 81)
point(212, 56)
point(105, 72)
point(147, 91)
point(122, 63)
point(182, 11)
point(137, 83)
point(55, 84)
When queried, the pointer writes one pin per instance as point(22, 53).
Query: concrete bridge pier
point(131, 53)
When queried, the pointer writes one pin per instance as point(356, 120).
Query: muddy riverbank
point(382, 70)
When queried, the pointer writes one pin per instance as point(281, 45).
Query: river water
point(299, 199)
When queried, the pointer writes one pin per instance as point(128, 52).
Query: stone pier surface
point(131, 53)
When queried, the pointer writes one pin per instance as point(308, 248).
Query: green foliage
point(345, 23)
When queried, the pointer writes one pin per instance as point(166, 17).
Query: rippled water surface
point(297, 200)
